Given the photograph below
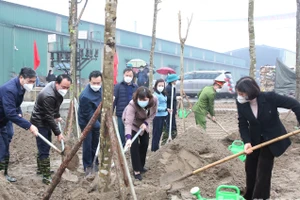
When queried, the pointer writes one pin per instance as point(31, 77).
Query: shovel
point(216, 122)
point(74, 163)
point(171, 116)
point(237, 155)
point(133, 139)
point(95, 158)
point(49, 143)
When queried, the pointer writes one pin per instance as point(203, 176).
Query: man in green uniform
point(205, 103)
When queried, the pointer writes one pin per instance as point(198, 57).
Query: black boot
point(45, 169)
point(8, 178)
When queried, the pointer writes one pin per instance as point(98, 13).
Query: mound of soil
point(188, 152)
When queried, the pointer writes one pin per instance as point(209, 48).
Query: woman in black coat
point(259, 122)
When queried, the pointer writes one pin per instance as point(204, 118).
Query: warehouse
point(20, 26)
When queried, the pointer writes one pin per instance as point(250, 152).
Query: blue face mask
point(143, 104)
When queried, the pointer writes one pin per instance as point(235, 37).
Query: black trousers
point(158, 125)
point(138, 151)
point(43, 147)
point(259, 166)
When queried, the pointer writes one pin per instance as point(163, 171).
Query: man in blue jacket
point(11, 98)
point(123, 94)
point(89, 100)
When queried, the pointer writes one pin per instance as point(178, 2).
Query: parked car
point(194, 81)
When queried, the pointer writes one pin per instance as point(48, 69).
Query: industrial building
point(20, 26)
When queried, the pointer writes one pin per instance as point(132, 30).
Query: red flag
point(116, 62)
point(36, 57)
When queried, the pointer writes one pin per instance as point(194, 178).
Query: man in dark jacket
point(89, 100)
point(123, 95)
point(45, 116)
point(142, 77)
point(11, 98)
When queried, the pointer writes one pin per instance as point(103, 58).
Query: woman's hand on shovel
point(128, 144)
point(60, 137)
point(247, 147)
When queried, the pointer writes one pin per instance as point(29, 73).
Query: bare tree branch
point(188, 28)
point(81, 13)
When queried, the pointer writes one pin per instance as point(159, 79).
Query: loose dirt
point(192, 149)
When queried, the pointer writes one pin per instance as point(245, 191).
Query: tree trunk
point(116, 151)
point(156, 2)
point(73, 47)
point(64, 164)
point(105, 154)
point(298, 53)
point(182, 42)
point(251, 39)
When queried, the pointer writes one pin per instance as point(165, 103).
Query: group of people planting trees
point(136, 109)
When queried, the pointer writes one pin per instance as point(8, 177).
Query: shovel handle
point(48, 142)
point(133, 139)
point(241, 153)
point(62, 145)
point(238, 154)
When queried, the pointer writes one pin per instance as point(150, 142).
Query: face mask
point(127, 79)
point(241, 99)
point(28, 87)
point(143, 104)
point(160, 89)
point(95, 88)
point(218, 90)
point(62, 92)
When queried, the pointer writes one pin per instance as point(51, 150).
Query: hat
point(220, 83)
point(171, 78)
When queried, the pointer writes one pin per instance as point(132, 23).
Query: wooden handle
point(241, 153)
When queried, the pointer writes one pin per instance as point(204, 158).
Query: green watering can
point(223, 192)
point(184, 113)
point(237, 146)
point(228, 192)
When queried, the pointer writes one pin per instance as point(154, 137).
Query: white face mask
point(62, 92)
point(96, 88)
point(218, 90)
point(160, 89)
point(241, 99)
point(127, 79)
point(28, 87)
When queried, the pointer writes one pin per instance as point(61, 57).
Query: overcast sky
point(217, 36)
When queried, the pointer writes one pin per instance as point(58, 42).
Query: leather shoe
point(144, 170)
point(137, 176)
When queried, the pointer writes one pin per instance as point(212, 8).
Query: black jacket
point(267, 125)
point(46, 108)
point(123, 95)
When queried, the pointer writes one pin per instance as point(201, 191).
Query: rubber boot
point(45, 169)
point(8, 178)
point(38, 162)
point(39, 171)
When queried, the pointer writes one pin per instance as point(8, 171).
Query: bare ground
point(192, 149)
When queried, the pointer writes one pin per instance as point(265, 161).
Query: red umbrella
point(165, 71)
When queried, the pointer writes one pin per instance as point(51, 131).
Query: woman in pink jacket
point(137, 115)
